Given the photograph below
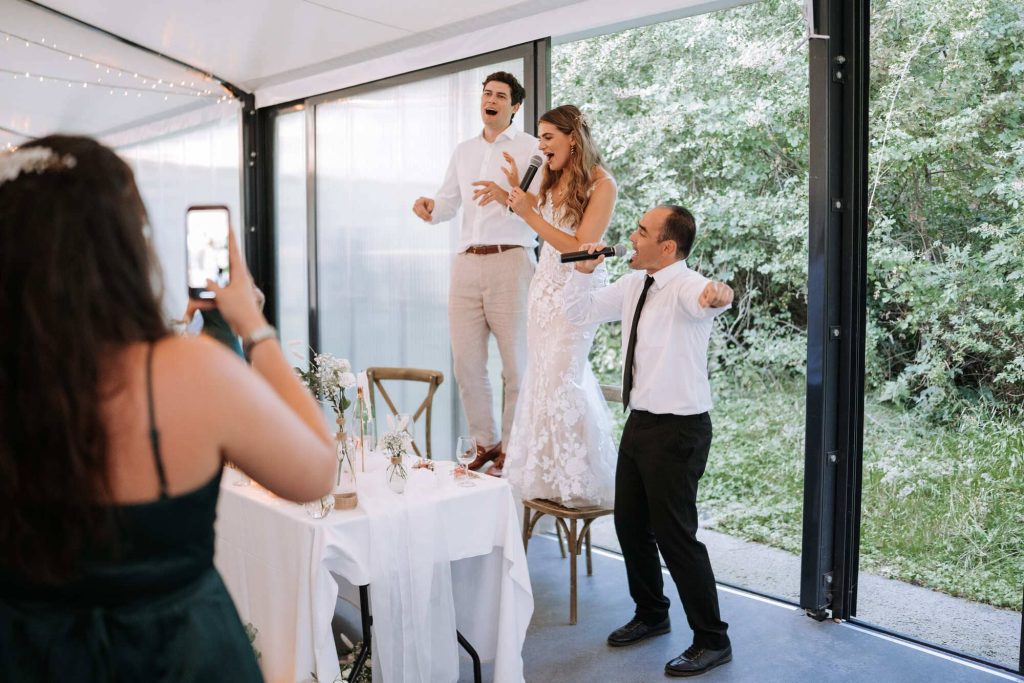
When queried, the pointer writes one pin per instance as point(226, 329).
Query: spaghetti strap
point(154, 434)
point(597, 182)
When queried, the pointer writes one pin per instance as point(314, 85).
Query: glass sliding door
point(682, 117)
point(942, 516)
point(382, 274)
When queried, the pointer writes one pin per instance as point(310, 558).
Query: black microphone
point(535, 161)
point(573, 256)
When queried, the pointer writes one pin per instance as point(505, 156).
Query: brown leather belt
point(492, 248)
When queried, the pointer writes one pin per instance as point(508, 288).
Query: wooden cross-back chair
point(432, 378)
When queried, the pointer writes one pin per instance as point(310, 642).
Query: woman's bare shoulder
point(201, 363)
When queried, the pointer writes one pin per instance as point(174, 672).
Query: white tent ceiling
point(279, 49)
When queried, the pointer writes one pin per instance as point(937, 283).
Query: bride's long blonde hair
point(571, 121)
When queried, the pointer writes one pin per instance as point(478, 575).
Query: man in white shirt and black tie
point(670, 312)
point(493, 264)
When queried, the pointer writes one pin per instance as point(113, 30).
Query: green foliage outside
point(712, 112)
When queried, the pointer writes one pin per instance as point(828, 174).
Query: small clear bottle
point(362, 416)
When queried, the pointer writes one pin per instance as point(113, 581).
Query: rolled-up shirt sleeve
point(585, 304)
point(448, 197)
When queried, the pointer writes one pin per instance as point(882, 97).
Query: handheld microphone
point(573, 256)
point(535, 161)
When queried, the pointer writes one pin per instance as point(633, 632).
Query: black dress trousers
point(661, 461)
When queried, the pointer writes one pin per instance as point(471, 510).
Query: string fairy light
point(109, 68)
point(70, 82)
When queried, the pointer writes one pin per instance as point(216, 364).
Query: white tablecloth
point(278, 562)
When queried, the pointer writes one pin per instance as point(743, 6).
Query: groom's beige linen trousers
point(488, 295)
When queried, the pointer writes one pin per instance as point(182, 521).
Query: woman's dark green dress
point(158, 612)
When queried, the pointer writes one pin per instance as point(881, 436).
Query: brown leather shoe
point(485, 455)
point(496, 470)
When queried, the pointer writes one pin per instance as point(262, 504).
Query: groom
point(667, 436)
point(492, 269)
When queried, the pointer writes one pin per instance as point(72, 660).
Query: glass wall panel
point(178, 163)
point(382, 273)
point(290, 248)
point(682, 115)
point(942, 523)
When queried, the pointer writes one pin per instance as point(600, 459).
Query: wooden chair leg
point(526, 527)
point(572, 571)
point(561, 546)
point(590, 564)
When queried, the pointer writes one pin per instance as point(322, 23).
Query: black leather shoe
point(697, 660)
point(636, 630)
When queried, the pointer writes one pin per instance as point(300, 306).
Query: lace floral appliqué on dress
point(561, 444)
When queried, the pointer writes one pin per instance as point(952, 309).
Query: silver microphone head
point(536, 160)
point(620, 249)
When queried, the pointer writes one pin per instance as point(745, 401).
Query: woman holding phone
point(113, 433)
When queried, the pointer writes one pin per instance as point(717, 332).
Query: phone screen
point(206, 239)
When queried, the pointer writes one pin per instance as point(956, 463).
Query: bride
point(561, 444)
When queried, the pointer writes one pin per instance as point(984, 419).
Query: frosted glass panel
point(383, 274)
point(290, 253)
point(197, 165)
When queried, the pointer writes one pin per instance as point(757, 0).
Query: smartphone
point(206, 248)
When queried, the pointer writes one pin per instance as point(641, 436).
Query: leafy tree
point(711, 112)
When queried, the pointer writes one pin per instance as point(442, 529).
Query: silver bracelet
point(260, 334)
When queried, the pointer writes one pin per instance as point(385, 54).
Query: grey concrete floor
point(772, 641)
point(970, 627)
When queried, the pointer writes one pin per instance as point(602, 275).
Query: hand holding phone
point(238, 302)
point(207, 229)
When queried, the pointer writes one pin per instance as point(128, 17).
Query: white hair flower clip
point(583, 120)
point(32, 160)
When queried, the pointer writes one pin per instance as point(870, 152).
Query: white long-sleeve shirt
point(476, 159)
point(670, 363)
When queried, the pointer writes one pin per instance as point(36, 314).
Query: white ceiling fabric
point(281, 50)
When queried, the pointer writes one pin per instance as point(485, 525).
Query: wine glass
point(465, 453)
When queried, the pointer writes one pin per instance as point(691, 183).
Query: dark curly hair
point(77, 283)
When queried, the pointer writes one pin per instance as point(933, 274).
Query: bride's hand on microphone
point(591, 265)
point(521, 202)
point(512, 172)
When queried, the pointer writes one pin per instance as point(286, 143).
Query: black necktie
point(627, 369)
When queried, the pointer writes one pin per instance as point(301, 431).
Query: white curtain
point(383, 274)
point(290, 252)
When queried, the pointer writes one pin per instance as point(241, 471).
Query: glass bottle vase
point(345, 493)
point(396, 475)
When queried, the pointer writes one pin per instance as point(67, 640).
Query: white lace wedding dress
point(561, 444)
